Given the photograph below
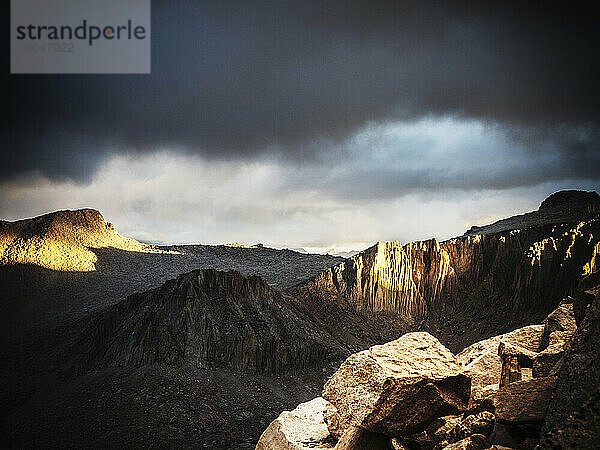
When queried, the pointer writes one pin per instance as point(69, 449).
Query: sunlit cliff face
point(524, 268)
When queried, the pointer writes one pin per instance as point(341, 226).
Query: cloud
point(405, 181)
point(291, 80)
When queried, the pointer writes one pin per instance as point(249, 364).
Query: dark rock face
point(574, 201)
point(210, 319)
point(577, 387)
point(497, 279)
point(561, 207)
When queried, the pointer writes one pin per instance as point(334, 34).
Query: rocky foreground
point(534, 386)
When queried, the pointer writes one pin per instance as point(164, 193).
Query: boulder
point(355, 438)
point(399, 388)
point(480, 423)
point(561, 320)
point(481, 396)
point(333, 421)
point(547, 363)
point(474, 442)
point(524, 401)
point(529, 337)
point(581, 429)
point(302, 428)
point(514, 359)
point(484, 370)
point(482, 362)
point(450, 429)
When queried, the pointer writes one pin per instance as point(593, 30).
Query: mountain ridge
point(62, 240)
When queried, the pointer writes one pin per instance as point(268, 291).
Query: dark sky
point(294, 83)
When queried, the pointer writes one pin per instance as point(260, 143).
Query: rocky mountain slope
point(40, 288)
point(170, 347)
point(62, 240)
point(561, 207)
point(210, 319)
point(504, 392)
point(503, 277)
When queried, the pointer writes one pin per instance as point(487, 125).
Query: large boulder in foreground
point(302, 428)
point(400, 387)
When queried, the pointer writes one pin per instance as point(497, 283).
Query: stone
point(514, 358)
point(449, 429)
point(485, 370)
point(302, 428)
point(481, 360)
point(397, 444)
point(446, 429)
point(480, 423)
point(577, 390)
point(481, 396)
point(580, 430)
point(400, 387)
point(561, 320)
point(524, 401)
point(547, 363)
point(355, 438)
point(332, 419)
point(474, 442)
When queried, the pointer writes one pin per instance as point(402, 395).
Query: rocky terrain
point(204, 346)
point(37, 296)
point(506, 391)
point(506, 279)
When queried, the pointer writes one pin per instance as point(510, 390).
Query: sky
point(315, 124)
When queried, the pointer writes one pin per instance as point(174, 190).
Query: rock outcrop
point(524, 402)
point(62, 240)
point(302, 428)
point(414, 391)
point(483, 361)
point(398, 388)
point(209, 319)
point(573, 418)
point(497, 279)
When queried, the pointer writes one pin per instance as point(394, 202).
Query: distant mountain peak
point(344, 254)
point(571, 199)
point(561, 207)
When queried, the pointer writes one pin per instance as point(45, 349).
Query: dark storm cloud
point(235, 79)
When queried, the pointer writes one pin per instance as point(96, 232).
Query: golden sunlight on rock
point(62, 240)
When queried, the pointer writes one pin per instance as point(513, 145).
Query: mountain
point(561, 207)
point(474, 284)
point(62, 240)
point(211, 319)
point(343, 254)
point(203, 346)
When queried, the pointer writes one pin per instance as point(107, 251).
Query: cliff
point(61, 240)
point(529, 268)
point(487, 282)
